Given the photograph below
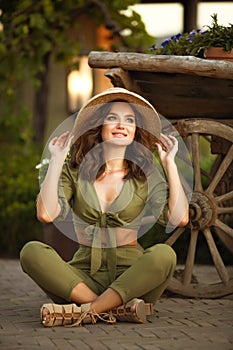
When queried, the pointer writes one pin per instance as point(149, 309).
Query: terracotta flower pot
point(217, 53)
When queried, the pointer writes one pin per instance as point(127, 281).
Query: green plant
point(19, 186)
point(197, 41)
point(32, 35)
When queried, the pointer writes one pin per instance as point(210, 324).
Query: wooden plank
point(177, 95)
point(174, 108)
point(192, 85)
point(178, 87)
point(162, 63)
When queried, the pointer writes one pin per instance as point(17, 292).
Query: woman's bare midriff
point(123, 236)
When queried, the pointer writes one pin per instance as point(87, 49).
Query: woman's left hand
point(171, 144)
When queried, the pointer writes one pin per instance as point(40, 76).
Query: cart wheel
point(211, 212)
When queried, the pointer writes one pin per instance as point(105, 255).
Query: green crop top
point(126, 211)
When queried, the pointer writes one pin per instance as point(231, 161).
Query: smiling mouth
point(119, 135)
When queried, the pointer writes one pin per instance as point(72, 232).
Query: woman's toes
point(45, 313)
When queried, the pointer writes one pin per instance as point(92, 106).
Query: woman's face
point(119, 125)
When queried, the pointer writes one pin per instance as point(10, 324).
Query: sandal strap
point(91, 316)
point(135, 310)
point(60, 314)
point(149, 309)
point(72, 315)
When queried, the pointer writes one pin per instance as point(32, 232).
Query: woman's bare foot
point(45, 313)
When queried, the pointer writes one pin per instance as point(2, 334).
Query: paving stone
point(177, 323)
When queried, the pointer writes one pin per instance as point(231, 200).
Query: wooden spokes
point(195, 139)
point(227, 160)
point(211, 210)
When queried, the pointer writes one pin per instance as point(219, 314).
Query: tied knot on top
point(110, 219)
point(95, 234)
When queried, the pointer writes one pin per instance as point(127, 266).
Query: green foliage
point(218, 35)
point(132, 32)
point(19, 183)
point(34, 29)
point(197, 41)
point(19, 187)
point(34, 33)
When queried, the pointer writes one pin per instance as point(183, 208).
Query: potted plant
point(217, 39)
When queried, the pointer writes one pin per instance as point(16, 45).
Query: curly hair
point(87, 151)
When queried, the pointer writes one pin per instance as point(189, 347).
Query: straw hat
point(150, 118)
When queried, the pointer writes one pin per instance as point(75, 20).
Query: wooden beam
point(167, 64)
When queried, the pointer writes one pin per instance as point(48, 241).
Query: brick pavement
point(178, 323)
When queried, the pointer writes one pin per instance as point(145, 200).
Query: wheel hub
point(202, 211)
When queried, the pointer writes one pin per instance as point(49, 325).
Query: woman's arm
point(48, 207)
point(178, 208)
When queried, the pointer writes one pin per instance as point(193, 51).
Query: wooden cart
point(196, 96)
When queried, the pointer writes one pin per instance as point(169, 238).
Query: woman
point(109, 183)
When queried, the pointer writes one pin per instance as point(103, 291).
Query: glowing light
point(163, 20)
point(79, 85)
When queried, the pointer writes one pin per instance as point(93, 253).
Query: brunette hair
point(91, 164)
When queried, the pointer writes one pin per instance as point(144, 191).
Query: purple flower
point(165, 42)
point(193, 32)
point(178, 36)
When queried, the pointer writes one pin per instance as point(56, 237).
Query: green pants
point(138, 275)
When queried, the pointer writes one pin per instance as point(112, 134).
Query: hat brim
point(150, 118)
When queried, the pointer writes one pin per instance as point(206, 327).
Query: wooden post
point(190, 15)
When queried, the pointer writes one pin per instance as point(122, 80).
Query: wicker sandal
point(73, 315)
point(135, 310)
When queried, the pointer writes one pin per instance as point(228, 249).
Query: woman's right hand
point(48, 207)
point(59, 146)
